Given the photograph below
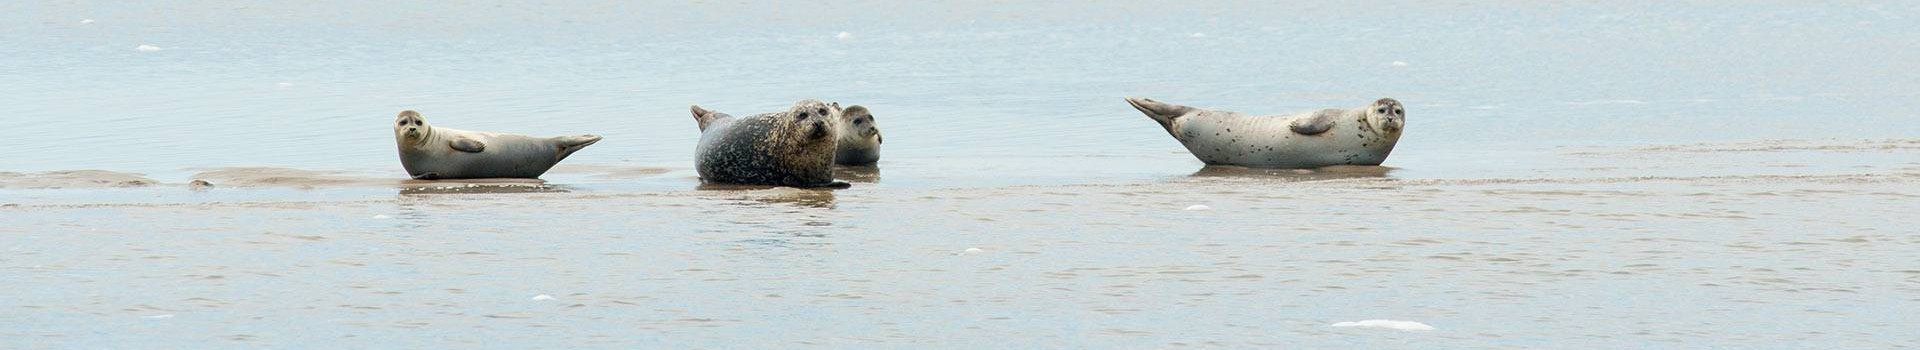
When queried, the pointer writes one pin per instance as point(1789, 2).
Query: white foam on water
point(1399, 63)
point(1198, 35)
point(843, 36)
point(1199, 207)
point(147, 48)
point(1388, 324)
point(382, 216)
point(86, 21)
point(156, 317)
point(972, 251)
point(542, 297)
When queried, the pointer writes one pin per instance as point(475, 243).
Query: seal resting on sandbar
point(792, 148)
point(430, 153)
point(1358, 136)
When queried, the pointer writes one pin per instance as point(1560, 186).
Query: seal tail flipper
point(570, 144)
point(1161, 112)
point(707, 117)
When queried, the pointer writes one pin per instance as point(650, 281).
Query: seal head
point(1388, 116)
point(410, 128)
point(860, 139)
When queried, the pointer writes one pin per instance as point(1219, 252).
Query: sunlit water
point(1572, 176)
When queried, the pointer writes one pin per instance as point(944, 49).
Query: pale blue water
point(1598, 128)
point(955, 85)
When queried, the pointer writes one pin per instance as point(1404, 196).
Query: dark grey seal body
point(792, 148)
point(1358, 136)
point(859, 142)
point(431, 153)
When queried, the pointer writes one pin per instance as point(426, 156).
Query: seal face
point(1358, 136)
point(430, 153)
point(792, 148)
point(859, 142)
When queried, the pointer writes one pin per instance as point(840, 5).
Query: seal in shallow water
point(1359, 136)
point(792, 148)
point(430, 153)
point(860, 139)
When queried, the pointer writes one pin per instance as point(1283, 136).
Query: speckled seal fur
point(1359, 136)
point(432, 153)
point(860, 139)
point(792, 148)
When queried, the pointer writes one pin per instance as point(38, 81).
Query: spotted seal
point(1358, 136)
point(793, 148)
point(860, 139)
point(433, 153)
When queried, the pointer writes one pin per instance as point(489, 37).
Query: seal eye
point(1382, 110)
point(822, 111)
point(1399, 111)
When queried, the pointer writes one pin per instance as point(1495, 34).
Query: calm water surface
point(1587, 175)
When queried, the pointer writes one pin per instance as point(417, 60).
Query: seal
point(430, 153)
point(1359, 136)
point(860, 139)
point(793, 148)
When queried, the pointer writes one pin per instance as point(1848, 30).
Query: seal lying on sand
point(792, 148)
point(430, 153)
point(1360, 136)
point(859, 142)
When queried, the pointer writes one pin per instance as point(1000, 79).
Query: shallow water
point(1573, 176)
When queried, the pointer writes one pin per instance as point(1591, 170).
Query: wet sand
point(72, 179)
point(1273, 259)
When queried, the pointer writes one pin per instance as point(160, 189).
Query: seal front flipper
point(1161, 112)
point(1318, 123)
point(467, 145)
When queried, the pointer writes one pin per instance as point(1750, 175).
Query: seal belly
point(512, 156)
point(1269, 142)
point(504, 157)
point(1241, 140)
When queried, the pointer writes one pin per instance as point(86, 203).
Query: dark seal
point(793, 148)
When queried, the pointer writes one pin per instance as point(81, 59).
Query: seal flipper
point(836, 185)
point(707, 117)
point(1161, 112)
point(1319, 123)
point(570, 144)
point(467, 145)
